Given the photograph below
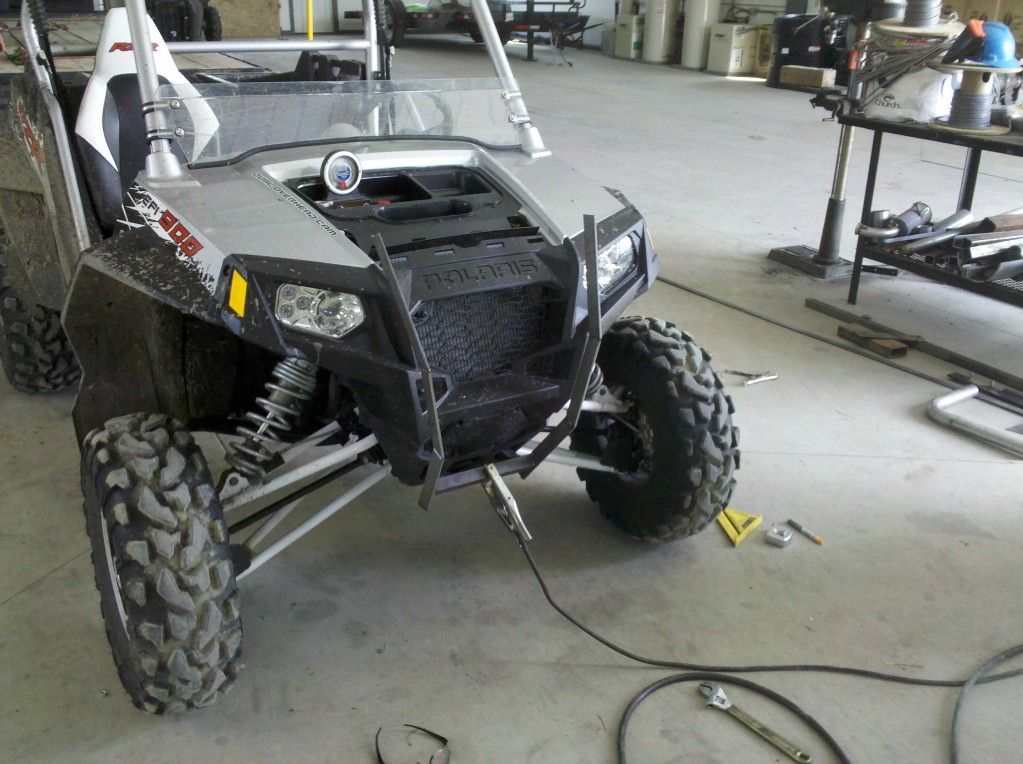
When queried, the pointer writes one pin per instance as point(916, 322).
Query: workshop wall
point(250, 18)
point(242, 18)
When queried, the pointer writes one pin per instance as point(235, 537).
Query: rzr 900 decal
point(141, 208)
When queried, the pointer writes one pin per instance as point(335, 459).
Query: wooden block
point(807, 76)
point(867, 333)
point(885, 345)
point(1005, 222)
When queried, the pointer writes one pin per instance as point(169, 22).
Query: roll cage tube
point(529, 136)
point(162, 164)
point(48, 87)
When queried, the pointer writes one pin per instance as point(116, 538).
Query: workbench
point(1006, 290)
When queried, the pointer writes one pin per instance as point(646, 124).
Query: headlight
point(614, 262)
point(332, 314)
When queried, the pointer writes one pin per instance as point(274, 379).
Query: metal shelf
point(1006, 290)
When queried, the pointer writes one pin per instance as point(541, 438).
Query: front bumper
point(490, 401)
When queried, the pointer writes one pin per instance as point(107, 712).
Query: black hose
point(699, 671)
point(975, 678)
point(650, 689)
point(820, 668)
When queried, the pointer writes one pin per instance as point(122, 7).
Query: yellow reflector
point(239, 290)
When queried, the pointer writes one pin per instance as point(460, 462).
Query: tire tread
point(179, 591)
point(693, 481)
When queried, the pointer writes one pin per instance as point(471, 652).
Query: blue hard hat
point(999, 49)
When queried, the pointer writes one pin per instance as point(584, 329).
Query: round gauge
point(341, 172)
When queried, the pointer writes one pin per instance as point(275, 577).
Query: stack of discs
point(971, 103)
point(922, 24)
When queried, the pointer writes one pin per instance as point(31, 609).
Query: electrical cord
point(975, 678)
point(806, 333)
point(721, 672)
point(699, 672)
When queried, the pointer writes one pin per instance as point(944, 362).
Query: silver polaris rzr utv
point(419, 286)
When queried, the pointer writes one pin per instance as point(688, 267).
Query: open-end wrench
point(716, 698)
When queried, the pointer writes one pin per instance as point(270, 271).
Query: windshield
point(221, 120)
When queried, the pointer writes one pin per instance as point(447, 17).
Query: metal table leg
point(969, 184)
point(831, 234)
point(530, 7)
point(868, 202)
point(824, 262)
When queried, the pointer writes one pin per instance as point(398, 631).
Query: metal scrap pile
point(990, 249)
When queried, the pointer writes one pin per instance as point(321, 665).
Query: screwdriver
point(806, 532)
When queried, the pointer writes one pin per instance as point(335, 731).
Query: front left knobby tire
point(162, 563)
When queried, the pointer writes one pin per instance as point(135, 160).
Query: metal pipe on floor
point(938, 410)
point(928, 348)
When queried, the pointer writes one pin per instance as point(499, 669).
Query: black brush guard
point(434, 482)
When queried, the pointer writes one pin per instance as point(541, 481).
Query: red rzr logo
point(28, 132)
point(180, 235)
point(123, 47)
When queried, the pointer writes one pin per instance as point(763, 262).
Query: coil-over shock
point(290, 389)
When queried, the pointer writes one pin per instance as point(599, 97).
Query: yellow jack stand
point(738, 525)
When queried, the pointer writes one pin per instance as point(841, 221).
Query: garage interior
point(390, 615)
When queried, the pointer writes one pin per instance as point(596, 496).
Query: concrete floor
point(393, 615)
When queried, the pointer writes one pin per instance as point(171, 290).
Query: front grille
point(478, 335)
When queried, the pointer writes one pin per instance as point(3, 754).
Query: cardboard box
point(987, 10)
point(607, 40)
point(765, 52)
point(629, 35)
point(733, 49)
point(1012, 14)
point(807, 76)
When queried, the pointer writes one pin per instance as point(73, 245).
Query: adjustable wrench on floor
point(716, 698)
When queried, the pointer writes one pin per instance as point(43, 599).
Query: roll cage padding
point(124, 130)
point(110, 129)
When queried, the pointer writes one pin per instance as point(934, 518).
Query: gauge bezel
point(330, 184)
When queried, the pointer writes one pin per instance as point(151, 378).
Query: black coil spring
point(596, 381)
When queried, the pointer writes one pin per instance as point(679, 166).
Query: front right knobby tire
point(677, 476)
point(162, 563)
